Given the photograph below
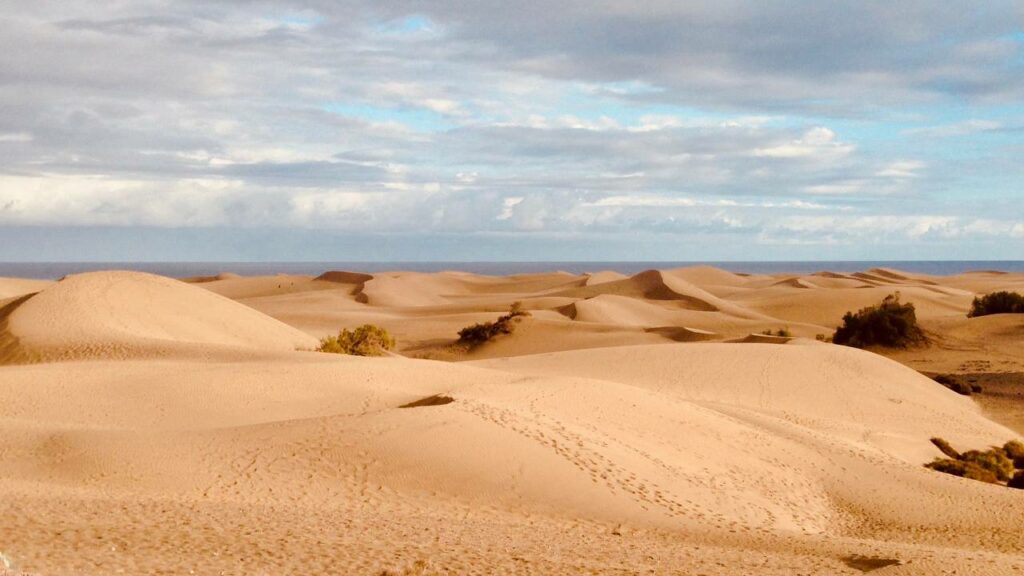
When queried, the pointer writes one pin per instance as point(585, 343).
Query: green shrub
point(480, 333)
point(1017, 481)
point(997, 303)
point(946, 448)
point(963, 469)
point(891, 324)
point(366, 340)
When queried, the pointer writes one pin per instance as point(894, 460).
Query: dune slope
point(799, 456)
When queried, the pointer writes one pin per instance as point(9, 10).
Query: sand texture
point(629, 425)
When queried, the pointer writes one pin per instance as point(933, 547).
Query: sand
point(630, 425)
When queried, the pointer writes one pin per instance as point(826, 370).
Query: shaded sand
point(149, 425)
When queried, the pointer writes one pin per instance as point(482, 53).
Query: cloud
point(483, 118)
point(817, 142)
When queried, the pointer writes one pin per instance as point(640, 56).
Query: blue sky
point(405, 130)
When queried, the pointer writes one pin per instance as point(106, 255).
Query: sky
point(493, 130)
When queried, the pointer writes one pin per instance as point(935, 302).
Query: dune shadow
point(869, 563)
point(435, 400)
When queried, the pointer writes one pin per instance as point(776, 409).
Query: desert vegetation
point(366, 340)
point(485, 331)
point(892, 324)
point(957, 384)
point(997, 303)
point(997, 465)
point(781, 332)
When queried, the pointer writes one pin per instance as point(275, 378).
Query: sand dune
point(791, 445)
point(104, 314)
point(604, 436)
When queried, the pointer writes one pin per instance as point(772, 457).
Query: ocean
point(54, 270)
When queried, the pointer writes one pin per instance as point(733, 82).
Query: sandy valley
point(630, 425)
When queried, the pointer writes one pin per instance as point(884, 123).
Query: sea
point(55, 270)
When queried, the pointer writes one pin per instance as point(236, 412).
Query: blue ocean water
point(53, 270)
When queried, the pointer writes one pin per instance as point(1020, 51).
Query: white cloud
point(480, 119)
point(817, 142)
point(901, 169)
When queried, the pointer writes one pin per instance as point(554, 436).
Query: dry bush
point(1014, 450)
point(963, 469)
point(994, 466)
point(891, 324)
point(993, 460)
point(366, 340)
point(485, 331)
point(997, 303)
point(956, 384)
point(946, 449)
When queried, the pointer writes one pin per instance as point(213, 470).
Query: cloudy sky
point(527, 130)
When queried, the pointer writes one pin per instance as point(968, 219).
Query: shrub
point(366, 340)
point(946, 449)
point(994, 461)
point(994, 466)
point(955, 384)
point(480, 333)
point(963, 469)
point(891, 324)
point(1014, 450)
point(997, 303)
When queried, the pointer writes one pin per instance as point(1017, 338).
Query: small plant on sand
point(997, 303)
point(891, 323)
point(485, 331)
point(366, 340)
point(963, 469)
point(781, 332)
point(995, 465)
point(956, 384)
point(946, 449)
point(994, 460)
point(1014, 450)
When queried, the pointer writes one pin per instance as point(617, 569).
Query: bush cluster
point(891, 324)
point(995, 465)
point(781, 332)
point(997, 303)
point(482, 332)
point(366, 340)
